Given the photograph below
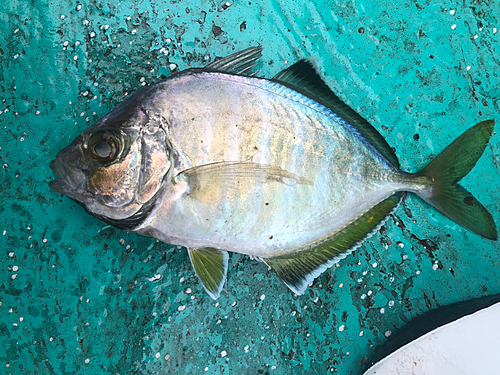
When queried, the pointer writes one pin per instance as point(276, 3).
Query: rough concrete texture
point(80, 297)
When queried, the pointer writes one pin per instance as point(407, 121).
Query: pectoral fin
point(298, 270)
point(208, 181)
point(210, 265)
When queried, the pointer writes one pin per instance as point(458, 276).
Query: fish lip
point(70, 178)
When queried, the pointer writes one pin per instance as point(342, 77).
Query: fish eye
point(104, 146)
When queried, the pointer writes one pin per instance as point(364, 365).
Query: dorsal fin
point(241, 63)
point(303, 77)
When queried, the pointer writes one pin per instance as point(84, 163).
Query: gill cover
point(115, 167)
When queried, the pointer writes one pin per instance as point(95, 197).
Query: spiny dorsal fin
point(303, 77)
point(241, 63)
point(298, 270)
point(210, 265)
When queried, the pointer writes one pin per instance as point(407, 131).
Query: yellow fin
point(297, 270)
point(210, 180)
point(210, 265)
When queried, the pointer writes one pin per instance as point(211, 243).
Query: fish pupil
point(103, 149)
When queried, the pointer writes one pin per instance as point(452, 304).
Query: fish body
point(219, 161)
point(332, 175)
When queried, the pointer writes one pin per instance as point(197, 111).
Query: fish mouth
point(70, 180)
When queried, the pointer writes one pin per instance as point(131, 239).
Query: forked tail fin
point(451, 166)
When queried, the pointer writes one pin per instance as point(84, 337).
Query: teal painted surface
point(78, 296)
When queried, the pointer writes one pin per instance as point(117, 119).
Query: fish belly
point(216, 118)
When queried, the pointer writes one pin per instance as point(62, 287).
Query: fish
point(219, 160)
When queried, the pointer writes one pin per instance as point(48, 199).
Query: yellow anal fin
point(298, 270)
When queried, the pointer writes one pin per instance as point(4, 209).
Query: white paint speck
point(92, 34)
point(45, 240)
point(65, 44)
point(341, 328)
point(158, 355)
point(370, 292)
point(15, 268)
point(13, 277)
point(361, 334)
point(11, 254)
point(363, 296)
point(37, 112)
point(182, 279)
point(476, 36)
point(78, 7)
point(263, 297)
point(51, 339)
point(85, 22)
point(374, 265)
point(223, 353)
point(452, 12)
point(494, 30)
point(87, 361)
point(401, 245)
point(468, 68)
point(63, 16)
point(155, 278)
point(4, 232)
point(181, 308)
point(387, 334)
point(173, 66)
point(418, 272)
point(206, 368)
point(75, 57)
point(341, 285)
point(391, 303)
point(167, 357)
point(188, 290)
point(21, 319)
point(453, 27)
point(11, 310)
point(435, 267)
point(360, 280)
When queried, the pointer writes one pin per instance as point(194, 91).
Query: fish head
point(116, 166)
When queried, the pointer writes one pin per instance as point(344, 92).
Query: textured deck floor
point(80, 297)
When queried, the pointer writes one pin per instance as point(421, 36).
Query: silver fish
point(280, 169)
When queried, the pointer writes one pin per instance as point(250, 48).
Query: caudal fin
point(451, 166)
